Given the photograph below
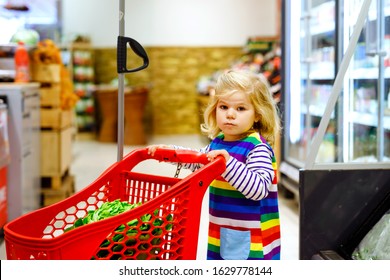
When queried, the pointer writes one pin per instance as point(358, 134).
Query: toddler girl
point(242, 121)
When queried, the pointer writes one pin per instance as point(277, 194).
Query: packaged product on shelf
point(22, 64)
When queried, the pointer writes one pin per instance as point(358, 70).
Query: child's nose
point(230, 113)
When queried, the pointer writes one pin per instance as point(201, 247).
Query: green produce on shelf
point(375, 245)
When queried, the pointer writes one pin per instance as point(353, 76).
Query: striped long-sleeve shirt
point(243, 202)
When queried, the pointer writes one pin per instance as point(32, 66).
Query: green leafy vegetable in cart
point(137, 239)
point(108, 209)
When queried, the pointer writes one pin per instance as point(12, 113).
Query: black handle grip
point(122, 54)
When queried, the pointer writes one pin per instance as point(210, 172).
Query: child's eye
point(241, 109)
point(223, 107)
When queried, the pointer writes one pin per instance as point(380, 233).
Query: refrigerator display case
point(310, 60)
point(336, 85)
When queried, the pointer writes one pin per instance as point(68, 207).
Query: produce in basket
point(131, 240)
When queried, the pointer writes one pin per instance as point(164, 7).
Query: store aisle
point(91, 158)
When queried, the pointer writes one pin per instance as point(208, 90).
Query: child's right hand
point(152, 148)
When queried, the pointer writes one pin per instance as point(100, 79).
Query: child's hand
point(152, 148)
point(213, 154)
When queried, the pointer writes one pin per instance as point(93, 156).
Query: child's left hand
point(213, 154)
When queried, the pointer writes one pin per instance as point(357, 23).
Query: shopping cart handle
point(185, 156)
point(122, 44)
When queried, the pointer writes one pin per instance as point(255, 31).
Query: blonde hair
point(257, 88)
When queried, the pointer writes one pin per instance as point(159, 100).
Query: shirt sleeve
point(254, 177)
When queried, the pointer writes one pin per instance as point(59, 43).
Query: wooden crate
point(46, 73)
point(56, 151)
point(50, 95)
point(55, 118)
point(51, 195)
point(54, 182)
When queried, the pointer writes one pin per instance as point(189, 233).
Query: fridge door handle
point(374, 53)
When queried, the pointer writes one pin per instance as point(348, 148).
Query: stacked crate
point(56, 136)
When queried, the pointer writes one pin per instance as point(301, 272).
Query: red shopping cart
point(172, 204)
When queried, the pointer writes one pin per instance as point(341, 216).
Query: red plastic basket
point(173, 203)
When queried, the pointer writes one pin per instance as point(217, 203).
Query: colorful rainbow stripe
point(229, 208)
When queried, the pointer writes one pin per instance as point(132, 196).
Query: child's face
point(235, 115)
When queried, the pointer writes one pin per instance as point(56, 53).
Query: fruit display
point(47, 52)
point(48, 68)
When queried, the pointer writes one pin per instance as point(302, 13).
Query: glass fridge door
point(310, 56)
point(367, 86)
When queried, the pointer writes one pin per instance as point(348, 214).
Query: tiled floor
point(91, 158)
